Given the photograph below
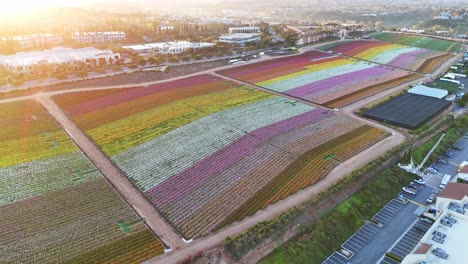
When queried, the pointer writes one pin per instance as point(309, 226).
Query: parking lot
point(433, 179)
point(409, 240)
point(371, 242)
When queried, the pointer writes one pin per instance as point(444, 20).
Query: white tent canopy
point(427, 91)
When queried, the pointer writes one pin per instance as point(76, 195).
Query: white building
point(452, 203)
point(27, 62)
point(239, 38)
point(249, 30)
point(36, 40)
point(166, 28)
point(175, 47)
point(428, 91)
point(95, 37)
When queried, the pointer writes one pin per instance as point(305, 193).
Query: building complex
point(172, 47)
point(96, 37)
point(36, 40)
point(30, 62)
point(445, 241)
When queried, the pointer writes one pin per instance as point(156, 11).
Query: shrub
point(82, 74)
point(61, 76)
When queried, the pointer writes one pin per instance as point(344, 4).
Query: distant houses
point(35, 40)
point(171, 47)
point(99, 37)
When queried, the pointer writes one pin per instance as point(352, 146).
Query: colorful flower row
point(318, 77)
point(395, 55)
point(55, 205)
point(201, 147)
point(418, 41)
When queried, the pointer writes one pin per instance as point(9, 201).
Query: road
point(120, 182)
point(166, 231)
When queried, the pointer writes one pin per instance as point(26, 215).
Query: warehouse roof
point(427, 91)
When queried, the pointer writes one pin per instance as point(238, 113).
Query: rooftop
point(454, 243)
point(423, 248)
point(455, 191)
point(464, 169)
point(428, 91)
point(54, 55)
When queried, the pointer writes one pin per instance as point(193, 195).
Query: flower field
point(321, 78)
point(418, 41)
point(395, 55)
point(55, 206)
point(203, 149)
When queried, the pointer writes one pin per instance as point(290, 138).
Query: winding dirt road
point(157, 223)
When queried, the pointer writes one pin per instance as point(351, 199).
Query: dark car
point(457, 147)
point(421, 228)
point(440, 253)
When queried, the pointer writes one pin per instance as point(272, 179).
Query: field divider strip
point(129, 192)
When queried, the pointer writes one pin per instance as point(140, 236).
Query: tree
point(464, 100)
point(61, 76)
point(378, 25)
point(186, 58)
point(198, 56)
point(290, 37)
point(82, 74)
point(152, 60)
point(141, 61)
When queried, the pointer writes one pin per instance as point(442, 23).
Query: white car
point(432, 170)
point(409, 191)
point(420, 181)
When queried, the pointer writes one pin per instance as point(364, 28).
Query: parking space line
point(388, 214)
point(360, 240)
point(336, 259)
point(352, 246)
point(373, 226)
point(413, 237)
point(400, 247)
point(391, 210)
point(386, 218)
point(382, 214)
point(367, 229)
point(366, 234)
point(393, 207)
point(406, 243)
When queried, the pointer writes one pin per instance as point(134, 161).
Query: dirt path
point(164, 230)
point(126, 189)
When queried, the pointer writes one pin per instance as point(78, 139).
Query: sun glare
point(25, 6)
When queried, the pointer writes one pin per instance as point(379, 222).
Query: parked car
point(409, 191)
point(449, 154)
point(438, 239)
point(440, 253)
point(431, 170)
point(457, 147)
point(442, 161)
point(435, 168)
point(425, 220)
point(420, 181)
point(431, 198)
point(466, 135)
point(420, 228)
point(440, 234)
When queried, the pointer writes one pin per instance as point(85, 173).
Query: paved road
point(128, 191)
